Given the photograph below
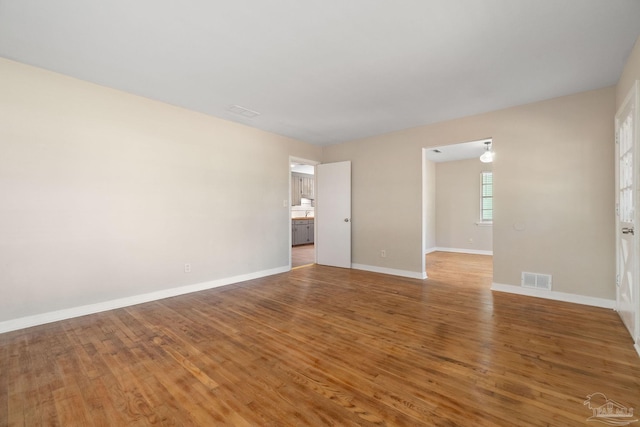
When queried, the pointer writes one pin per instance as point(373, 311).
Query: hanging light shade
point(488, 155)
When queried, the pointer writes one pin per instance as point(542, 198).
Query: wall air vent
point(536, 281)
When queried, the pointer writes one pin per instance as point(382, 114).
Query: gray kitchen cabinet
point(302, 231)
point(302, 186)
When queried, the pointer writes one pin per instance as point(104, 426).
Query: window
point(486, 198)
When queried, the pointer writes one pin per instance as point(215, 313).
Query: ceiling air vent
point(536, 281)
point(242, 111)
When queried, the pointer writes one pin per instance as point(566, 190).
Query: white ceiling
point(454, 152)
point(334, 70)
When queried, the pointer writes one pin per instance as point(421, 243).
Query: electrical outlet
point(187, 268)
point(383, 253)
point(285, 203)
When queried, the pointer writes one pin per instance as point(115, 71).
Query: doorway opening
point(302, 189)
point(457, 195)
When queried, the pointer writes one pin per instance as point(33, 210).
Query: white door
point(627, 295)
point(333, 214)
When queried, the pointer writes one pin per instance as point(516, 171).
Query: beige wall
point(458, 206)
point(630, 73)
point(553, 193)
point(106, 195)
point(386, 200)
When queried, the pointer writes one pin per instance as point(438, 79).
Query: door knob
point(627, 230)
point(346, 220)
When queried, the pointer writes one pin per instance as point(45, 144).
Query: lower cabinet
point(301, 231)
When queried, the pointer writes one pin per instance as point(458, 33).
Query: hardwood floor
point(325, 346)
point(303, 255)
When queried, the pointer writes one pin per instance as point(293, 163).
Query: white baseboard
point(553, 295)
point(428, 251)
point(391, 271)
point(54, 316)
point(465, 251)
point(637, 347)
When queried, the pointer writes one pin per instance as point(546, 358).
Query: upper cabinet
point(302, 186)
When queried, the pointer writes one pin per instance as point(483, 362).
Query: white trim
point(637, 347)
point(428, 251)
point(554, 295)
point(465, 251)
point(54, 316)
point(391, 271)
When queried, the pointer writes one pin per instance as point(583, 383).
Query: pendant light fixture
point(488, 155)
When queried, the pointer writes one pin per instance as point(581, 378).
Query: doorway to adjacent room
point(302, 212)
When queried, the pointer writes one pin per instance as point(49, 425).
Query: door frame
point(314, 163)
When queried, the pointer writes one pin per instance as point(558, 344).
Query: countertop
point(302, 218)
